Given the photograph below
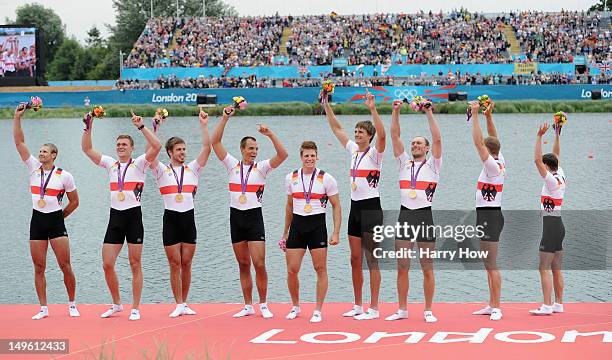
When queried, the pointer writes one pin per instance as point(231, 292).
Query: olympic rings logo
point(405, 94)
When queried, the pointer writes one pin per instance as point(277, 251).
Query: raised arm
point(87, 147)
point(396, 140)
point(381, 136)
point(18, 135)
point(557, 146)
point(217, 135)
point(205, 153)
point(436, 138)
point(153, 145)
point(334, 124)
point(491, 130)
point(537, 158)
point(477, 133)
point(334, 200)
point(281, 153)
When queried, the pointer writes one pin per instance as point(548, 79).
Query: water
point(215, 272)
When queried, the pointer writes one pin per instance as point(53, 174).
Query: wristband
point(141, 127)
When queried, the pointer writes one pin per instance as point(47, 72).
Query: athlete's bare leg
point(493, 275)
point(187, 252)
point(135, 254)
point(61, 248)
point(38, 251)
point(429, 280)
point(403, 266)
point(319, 262)
point(373, 268)
point(257, 249)
point(558, 276)
point(241, 251)
point(173, 253)
point(109, 257)
point(546, 259)
point(294, 263)
point(356, 269)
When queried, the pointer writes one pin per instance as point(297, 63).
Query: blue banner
point(309, 95)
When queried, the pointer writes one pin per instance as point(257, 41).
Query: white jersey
point(324, 186)
point(255, 183)
point(168, 186)
point(491, 182)
point(553, 192)
point(367, 174)
point(61, 182)
point(133, 183)
point(426, 180)
point(9, 62)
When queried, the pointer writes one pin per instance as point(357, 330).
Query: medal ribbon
point(413, 177)
point(244, 181)
point(307, 195)
point(43, 182)
point(356, 163)
point(121, 179)
point(179, 183)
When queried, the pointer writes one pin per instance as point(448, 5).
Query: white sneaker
point(399, 314)
point(178, 311)
point(316, 317)
point(484, 311)
point(248, 310)
point(429, 317)
point(265, 312)
point(558, 308)
point(543, 310)
point(357, 310)
point(114, 309)
point(187, 310)
point(135, 314)
point(295, 311)
point(496, 314)
point(43, 313)
point(371, 314)
point(72, 310)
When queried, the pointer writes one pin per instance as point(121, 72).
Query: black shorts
point(47, 226)
point(364, 215)
point(247, 225)
point(307, 232)
point(553, 233)
point(492, 221)
point(422, 217)
point(179, 227)
point(125, 225)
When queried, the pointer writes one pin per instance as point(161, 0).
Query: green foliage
point(600, 6)
point(48, 22)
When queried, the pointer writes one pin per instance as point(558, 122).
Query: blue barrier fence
point(83, 83)
point(342, 94)
point(280, 72)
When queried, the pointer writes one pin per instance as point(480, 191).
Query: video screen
point(17, 52)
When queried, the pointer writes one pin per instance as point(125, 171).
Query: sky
point(80, 15)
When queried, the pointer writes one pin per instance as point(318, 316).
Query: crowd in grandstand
point(422, 38)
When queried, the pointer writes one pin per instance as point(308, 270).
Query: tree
point(68, 57)
point(600, 6)
point(93, 37)
point(48, 22)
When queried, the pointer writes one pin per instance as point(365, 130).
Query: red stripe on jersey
point(363, 173)
point(128, 186)
point(250, 187)
point(420, 185)
point(498, 187)
point(48, 191)
point(557, 202)
point(173, 189)
point(300, 195)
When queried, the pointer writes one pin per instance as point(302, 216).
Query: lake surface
point(215, 272)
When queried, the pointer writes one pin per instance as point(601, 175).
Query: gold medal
point(178, 198)
point(41, 203)
point(242, 199)
point(307, 208)
point(120, 196)
point(354, 186)
point(412, 194)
